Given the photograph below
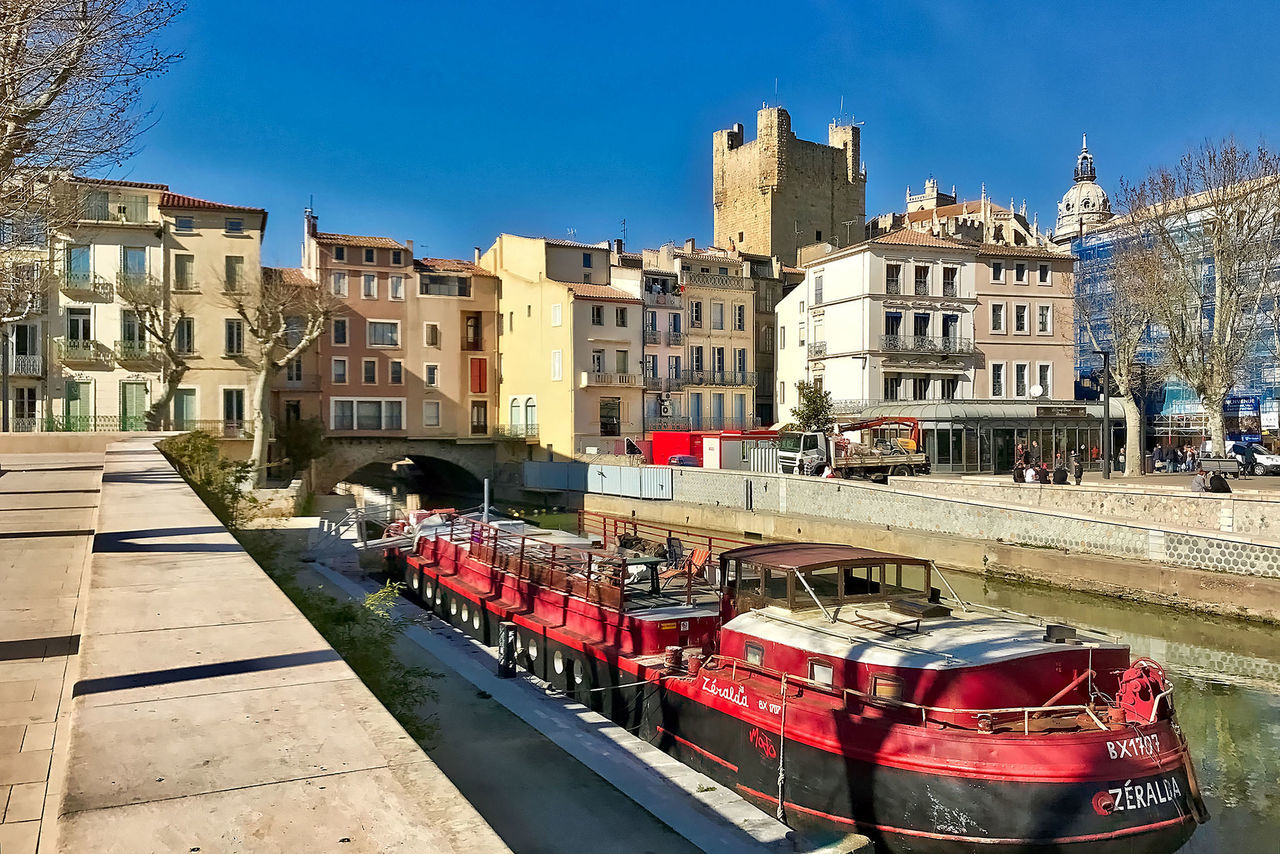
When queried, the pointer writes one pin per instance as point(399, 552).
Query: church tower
point(1085, 206)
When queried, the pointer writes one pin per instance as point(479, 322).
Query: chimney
point(617, 245)
point(690, 244)
point(408, 244)
point(476, 256)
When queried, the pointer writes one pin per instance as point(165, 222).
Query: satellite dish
point(1037, 390)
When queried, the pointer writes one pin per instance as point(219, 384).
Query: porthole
point(466, 615)
point(557, 661)
point(428, 590)
point(533, 650)
point(453, 608)
point(579, 672)
point(475, 620)
point(519, 645)
point(439, 595)
point(415, 581)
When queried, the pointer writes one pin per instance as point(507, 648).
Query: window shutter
point(479, 376)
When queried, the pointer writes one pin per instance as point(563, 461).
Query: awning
point(994, 410)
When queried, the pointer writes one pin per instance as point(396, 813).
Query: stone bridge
point(462, 461)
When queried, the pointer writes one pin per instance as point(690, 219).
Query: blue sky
point(447, 123)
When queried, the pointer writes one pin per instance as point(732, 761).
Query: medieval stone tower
point(777, 193)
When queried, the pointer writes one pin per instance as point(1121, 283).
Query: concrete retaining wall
point(976, 518)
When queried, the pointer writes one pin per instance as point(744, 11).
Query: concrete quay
point(189, 706)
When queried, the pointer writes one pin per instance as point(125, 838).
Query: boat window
point(886, 687)
point(755, 654)
point(863, 580)
point(775, 585)
point(825, 583)
point(913, 577)
point(748, 577)
point(820, 672)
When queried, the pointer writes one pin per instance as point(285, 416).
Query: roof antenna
point(624, 231)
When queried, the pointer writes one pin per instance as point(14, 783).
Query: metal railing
point(734, 378)
point(925, 344)
point(223, 428)
point(666, 422)
point(668, 300)
point(516, 431)
point(26, 366)
point(948, 289)
point(817, 348)
point(851, 406)
point(663, 383)
point(716, 280)
point(608, 378)
point(675, 339)
point(90, 352)
point(79, 282)
point(893, 287)
point(652, 336)
point(921, 288)
point(726, 422)
point(137, 351)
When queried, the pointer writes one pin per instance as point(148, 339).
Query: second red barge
point(833, 686)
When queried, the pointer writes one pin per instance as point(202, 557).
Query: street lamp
point(1106, 413)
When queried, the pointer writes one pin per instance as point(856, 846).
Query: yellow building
point(570, 343)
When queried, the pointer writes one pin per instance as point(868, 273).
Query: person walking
point(1036, 458)
point(1077, 466)
point(1157, 458)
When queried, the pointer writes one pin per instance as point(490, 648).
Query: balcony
point(949, 289)
point(83, 353)
point(893, 287)
point(652, 336)
point(607, 378)
point(137, 352)
point(817, 349)
point(26, 366)
point(667, 300)
point(727, 422)
point(663, 383)
point(727, 378)
point(945, 344)
point(83, 285)
point(675, 339)
point(715, 280)
point(666, 422)
point(516, 431)
point(473, 345)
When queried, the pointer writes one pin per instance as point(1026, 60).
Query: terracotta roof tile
point(108, 182)
point(911, 237)
point(1006, 251)
point(574, 243)
point(600, 292)
point(358, 240)
point(176, 200)
point(448, 265)
point(290, 275)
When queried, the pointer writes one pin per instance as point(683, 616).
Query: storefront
point(975, 436)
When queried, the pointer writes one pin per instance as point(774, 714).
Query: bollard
point(506, 650)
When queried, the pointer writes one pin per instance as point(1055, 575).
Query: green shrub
point(301, 442)
point(218, 481)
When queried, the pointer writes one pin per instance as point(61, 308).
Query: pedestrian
point(1157, 458)
point(1077, 465)
point(1060, 476)
point(1036, 458)
point(1120, 460)
point(1218, 483)
point(1017, 453)
point(1198, 482)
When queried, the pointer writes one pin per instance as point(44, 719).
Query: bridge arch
point(349, 454)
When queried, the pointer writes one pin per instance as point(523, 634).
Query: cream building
point(571, 344)
point(102, 371)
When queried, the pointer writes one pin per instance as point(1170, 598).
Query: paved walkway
point(200, 710)
point(48, 508)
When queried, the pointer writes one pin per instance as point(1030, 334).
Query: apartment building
point(889, 319)
point(571, 343)
point(362, 362)
point(101, 371)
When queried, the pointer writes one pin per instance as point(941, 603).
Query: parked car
point(1255, 459)
point(683, 460)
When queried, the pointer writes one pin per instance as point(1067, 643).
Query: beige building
point(778, 192)
point(571, 344)
point(981, 221)
point(102, 370)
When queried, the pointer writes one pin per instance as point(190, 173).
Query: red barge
point(833, 687)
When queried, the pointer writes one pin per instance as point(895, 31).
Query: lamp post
point(1106, 413)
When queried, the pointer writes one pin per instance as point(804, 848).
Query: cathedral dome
point(1085, 204)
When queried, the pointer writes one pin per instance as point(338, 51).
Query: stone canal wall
point(1241, 512)
point(1151, 538)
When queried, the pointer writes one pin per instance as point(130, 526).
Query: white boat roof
point(965, 639)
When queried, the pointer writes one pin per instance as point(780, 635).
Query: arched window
point(515, 412)
point(531, 412)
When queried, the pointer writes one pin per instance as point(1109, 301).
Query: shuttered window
point(479, 376)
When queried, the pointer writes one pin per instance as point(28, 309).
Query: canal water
point(1226, 676)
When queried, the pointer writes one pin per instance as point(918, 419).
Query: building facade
point(571, 343)
point(87, 362)
point(778, 192)
point(412, 350)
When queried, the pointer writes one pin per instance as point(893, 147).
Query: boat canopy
point(797, 576)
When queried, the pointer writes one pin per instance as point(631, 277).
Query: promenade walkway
point(48, 507)
point(190, 706)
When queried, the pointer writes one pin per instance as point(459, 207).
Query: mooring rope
point(782, 746)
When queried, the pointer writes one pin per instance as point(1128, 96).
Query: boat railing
point(613, 528)
point(593, 576)
point(1027, 712)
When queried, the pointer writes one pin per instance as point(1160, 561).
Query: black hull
point(905, 811)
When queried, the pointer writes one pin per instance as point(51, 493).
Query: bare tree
point(284, 312)
point(1204, 250)
point(159, 316)
point(1116, 315)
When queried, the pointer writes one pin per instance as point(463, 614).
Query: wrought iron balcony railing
point(516, 431)
point(81, 283)
point(652, 336)
point(716, 280)
point(137, 351)
point(83, 352)
point(667, 300)
point(925, 344)
point(607, 378)
point(817, 349)
point(26, 366)
point(675, 339)
point(729, 378)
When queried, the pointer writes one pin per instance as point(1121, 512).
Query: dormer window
point(754, 654)
point(821, 672)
